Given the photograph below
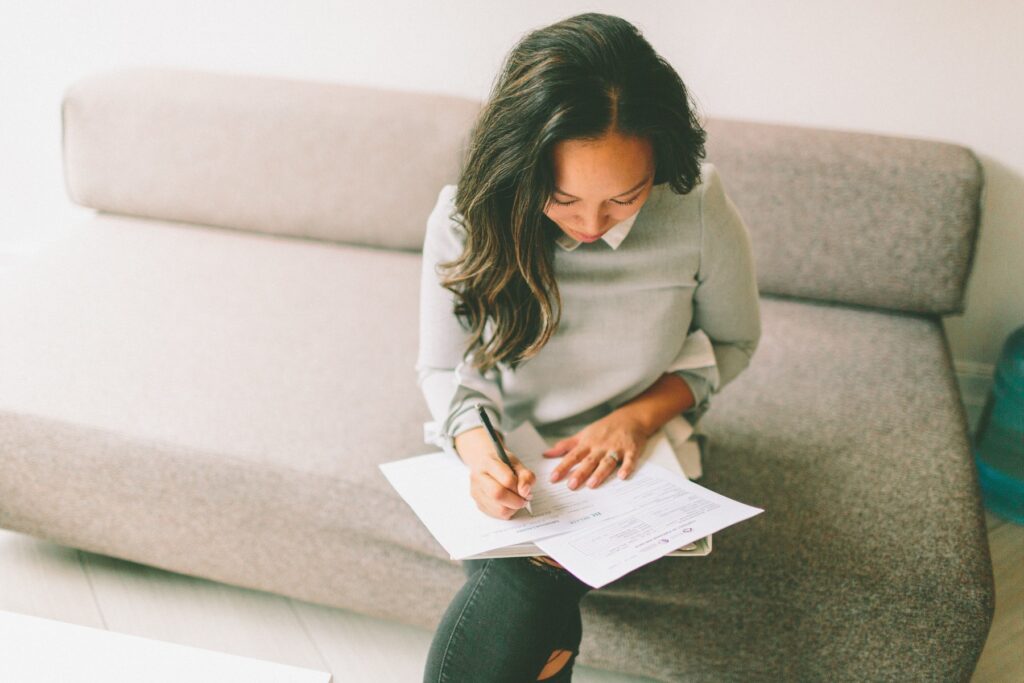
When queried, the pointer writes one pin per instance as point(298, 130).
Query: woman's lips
point(583, 238)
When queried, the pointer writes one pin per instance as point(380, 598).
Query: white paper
point(682, 457)
point(436, 487)
point(665, 511)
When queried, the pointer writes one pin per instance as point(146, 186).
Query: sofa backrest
point(871, 220)
point(854, 218)
point(319, 160)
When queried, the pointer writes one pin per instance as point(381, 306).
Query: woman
point(570, 279)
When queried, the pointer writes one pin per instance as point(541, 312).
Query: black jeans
point(505, 622)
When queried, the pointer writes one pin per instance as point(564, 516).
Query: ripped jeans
point(506, 622)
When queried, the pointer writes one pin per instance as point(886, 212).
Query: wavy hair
point(577, 79)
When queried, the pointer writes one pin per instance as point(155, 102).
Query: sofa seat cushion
point(275, 351)
point(216, 402)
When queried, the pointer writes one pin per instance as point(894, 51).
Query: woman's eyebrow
point(635, 187)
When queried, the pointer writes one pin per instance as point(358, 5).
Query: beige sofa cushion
point(216, 402)
point(865, 219)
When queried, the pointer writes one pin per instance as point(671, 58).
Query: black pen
point(497, 444)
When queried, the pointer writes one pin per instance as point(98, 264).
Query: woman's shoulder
point(445, 235)
point(674, 209)
point(703, 202)
point(445, 202)
point(709, 182)
point(712, 191)
point(444, 221)
point(447, 194)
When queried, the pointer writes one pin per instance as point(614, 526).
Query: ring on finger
point(614, 455)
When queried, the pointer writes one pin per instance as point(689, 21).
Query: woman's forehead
point(607, 167)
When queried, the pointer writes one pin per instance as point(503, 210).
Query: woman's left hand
point(587, 450)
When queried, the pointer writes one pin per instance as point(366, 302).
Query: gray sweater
point(673, 289)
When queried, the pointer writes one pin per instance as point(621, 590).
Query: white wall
point(948, 70)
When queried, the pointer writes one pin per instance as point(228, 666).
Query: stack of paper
point(596, 534)
point(681, 454)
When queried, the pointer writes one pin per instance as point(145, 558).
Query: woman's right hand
point(498, 491)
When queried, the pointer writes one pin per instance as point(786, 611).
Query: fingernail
point(592, 483)
point(554, 476)
point(573, 483)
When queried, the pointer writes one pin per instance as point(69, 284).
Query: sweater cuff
point(467, 418)
point(702, 389)
point(457, 423)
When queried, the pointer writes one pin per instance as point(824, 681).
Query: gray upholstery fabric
point(873, 220)
point(299, 158)
point(837, 216)
point(216, 402)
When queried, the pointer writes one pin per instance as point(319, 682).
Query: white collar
point(613, 237)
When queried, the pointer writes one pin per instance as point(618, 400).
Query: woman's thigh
point(506, 621)
point(470, 567)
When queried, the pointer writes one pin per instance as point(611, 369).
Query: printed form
point(436, 487)
point(596, 534)
point(665, 511)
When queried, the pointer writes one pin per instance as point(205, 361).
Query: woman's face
point(599, 183)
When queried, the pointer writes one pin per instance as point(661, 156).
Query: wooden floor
point(1003, 657)
point(55, 582)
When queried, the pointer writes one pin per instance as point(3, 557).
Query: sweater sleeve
point(726, 305)
point(450, 385)
point(695, 364)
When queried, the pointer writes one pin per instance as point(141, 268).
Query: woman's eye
point(631, 201)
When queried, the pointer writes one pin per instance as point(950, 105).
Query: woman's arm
point(726, 308)
point(726, 303)
point(659, 403)
point(450, 385)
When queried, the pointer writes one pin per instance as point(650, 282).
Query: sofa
point(206, 369)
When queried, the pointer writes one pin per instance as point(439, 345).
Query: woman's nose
point(591, 226)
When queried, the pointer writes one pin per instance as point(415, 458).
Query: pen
point(497, 444)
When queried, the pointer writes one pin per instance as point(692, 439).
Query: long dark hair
point(574, 79)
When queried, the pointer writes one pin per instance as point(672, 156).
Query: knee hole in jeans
point(545, 560)
point(556, 661)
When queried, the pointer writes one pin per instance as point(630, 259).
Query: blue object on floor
point(999, 440)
